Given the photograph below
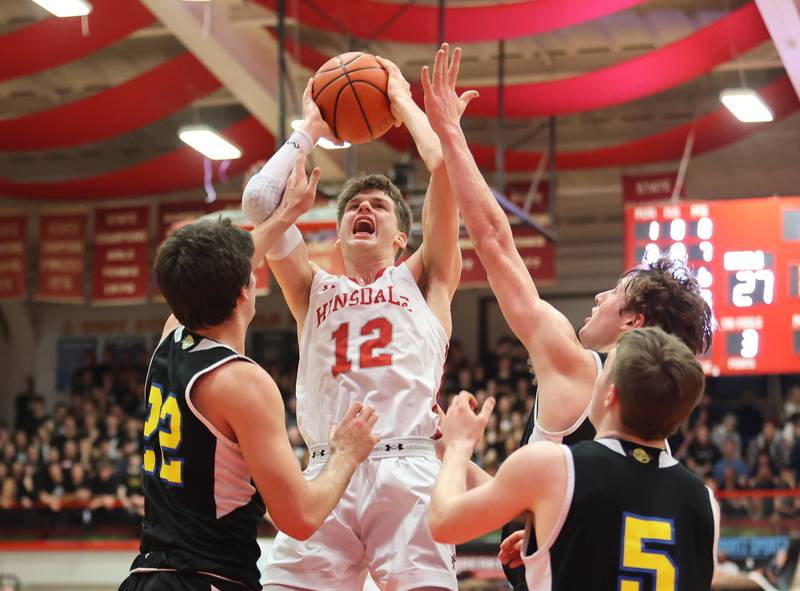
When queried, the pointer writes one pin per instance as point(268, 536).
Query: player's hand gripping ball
point(350, 91)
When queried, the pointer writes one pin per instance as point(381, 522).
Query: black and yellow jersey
point(632, 519)
point(201, 508)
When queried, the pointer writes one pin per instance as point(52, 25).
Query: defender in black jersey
point(614, 513)
point(215, 442)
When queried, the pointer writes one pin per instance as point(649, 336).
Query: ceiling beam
point(782, 18)
point(244, 59)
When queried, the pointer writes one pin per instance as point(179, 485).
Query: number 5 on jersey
point(380, 327)
point(636, 559)
point(163, 416)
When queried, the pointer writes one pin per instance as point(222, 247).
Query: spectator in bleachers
point(730, 462)
point(791, 408)
point(768, 442)
point(763, 477)
point(702, 453)
point(129, 492)
point(726, 431)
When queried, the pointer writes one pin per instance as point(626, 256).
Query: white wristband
point(286, 244)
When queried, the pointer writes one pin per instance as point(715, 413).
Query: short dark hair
point(201, 270)
point(368, 182)
point(658, 380)
point(667, 294)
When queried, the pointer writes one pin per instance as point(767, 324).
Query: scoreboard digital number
point(746, 256)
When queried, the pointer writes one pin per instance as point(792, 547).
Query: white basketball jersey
point(378, 344)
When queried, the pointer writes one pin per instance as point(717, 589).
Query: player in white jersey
point(378, 335)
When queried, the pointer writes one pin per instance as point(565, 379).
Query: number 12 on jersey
point(636, 559)
point(381, 328)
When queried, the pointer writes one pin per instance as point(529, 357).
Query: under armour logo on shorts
point(390, 447)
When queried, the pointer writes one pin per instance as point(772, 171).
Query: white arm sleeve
point(264, 190)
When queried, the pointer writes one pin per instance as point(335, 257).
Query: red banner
point(176, 212)
point(13, 259)
point(536, 251)
point(120, 255)
point(649, 187)
point(62, 250)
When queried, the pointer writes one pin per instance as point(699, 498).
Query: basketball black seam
point(321, 90)
point(360, 106)
point(336, 101)
point(372, 84)
point(342, 65)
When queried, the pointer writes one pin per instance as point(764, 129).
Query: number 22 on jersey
point(163, 416)
point(636, 558)
point(367, 358)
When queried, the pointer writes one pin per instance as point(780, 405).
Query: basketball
point(350, 91)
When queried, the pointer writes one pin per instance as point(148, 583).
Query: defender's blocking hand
point(463, 427)
point(443, 105)
point(353, 436)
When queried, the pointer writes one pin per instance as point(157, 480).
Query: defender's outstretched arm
point(564, 369)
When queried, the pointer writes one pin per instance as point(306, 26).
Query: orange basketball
point(350, 91)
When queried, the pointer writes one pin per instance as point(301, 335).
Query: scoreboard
point(746, 256)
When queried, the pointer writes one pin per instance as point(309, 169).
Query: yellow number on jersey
point(636, 558)
point(165, 417)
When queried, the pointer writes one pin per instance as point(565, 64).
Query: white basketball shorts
point(380, 526)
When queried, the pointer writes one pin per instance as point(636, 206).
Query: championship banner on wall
point(62, 250)
point(13, 259)
point(173, 215)
point(537, 252)
point(120, 255)
point(650, 187)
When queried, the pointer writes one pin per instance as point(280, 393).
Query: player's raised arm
point(561, 364)
point(494, 503)
point(263, 194)
point(439, 265)
point(247, 399)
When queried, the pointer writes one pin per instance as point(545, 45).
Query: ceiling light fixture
point(65, 8)
point(208, 142)
point(746, 105)
point(323, 143)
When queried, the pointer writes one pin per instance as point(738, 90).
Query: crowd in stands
point(78, 461)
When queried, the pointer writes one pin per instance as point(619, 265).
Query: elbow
point(441, 532)
point(300, 528)
point(299, 531)
point(440, 526)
